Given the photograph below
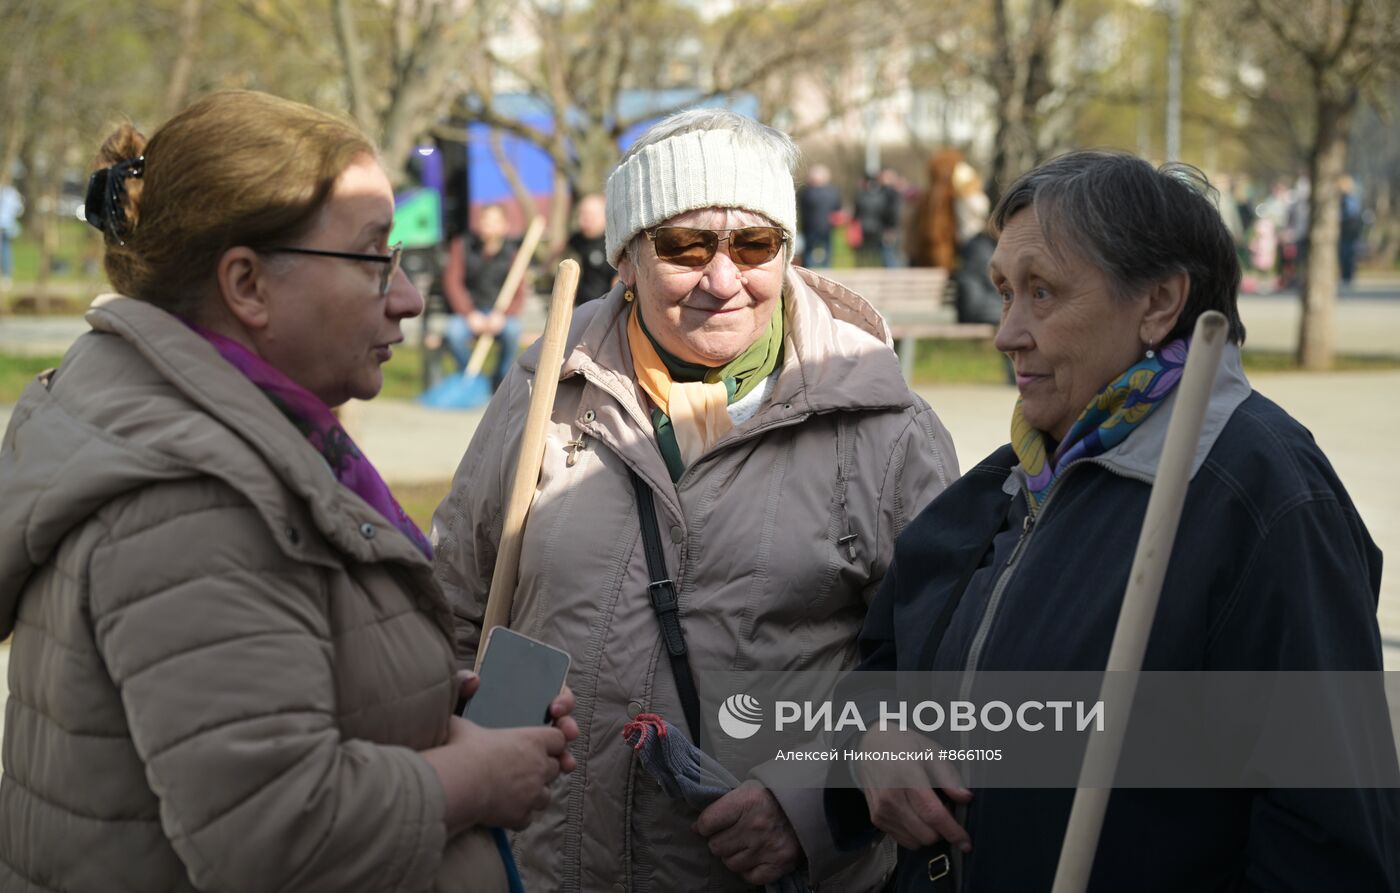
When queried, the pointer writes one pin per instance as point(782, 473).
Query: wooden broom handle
point(507, 292)
point(1144, 590)
point(531, 453)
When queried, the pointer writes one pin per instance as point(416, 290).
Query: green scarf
point(740, 376)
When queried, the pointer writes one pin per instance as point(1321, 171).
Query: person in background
point(877, 209)
point(978, 299)
point(11, 207)
point(761, 410)
point(893, 188)
point(475, 273)
point(1229, 211)
point(1295, 235)
point(933, 226)
point(588, 245)
point(1240, 194)
point(1352, 224)
point(231, 666)
point(817, 202)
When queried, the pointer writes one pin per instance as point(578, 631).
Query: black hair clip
point(103, 205)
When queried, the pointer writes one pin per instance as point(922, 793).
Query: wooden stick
point(1139, 608)
point(531, 454)
point(507, 292)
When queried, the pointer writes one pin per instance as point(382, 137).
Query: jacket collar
point(192, 366)
point(1139, 455)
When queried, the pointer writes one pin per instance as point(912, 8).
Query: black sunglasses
point(390, 260)
point(749, 245)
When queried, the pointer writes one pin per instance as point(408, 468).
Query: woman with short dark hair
point(1104, 264)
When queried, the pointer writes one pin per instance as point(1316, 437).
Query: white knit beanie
point(693, 170)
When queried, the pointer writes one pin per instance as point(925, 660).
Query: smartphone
point(520, 678)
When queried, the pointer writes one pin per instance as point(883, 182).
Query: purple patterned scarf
point(319, 426)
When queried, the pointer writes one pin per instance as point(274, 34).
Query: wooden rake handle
point(1144, 590)
point(508, 289)
point(531, 454)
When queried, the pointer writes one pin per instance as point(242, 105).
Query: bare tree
point(1346, 48)
point(1375, 158)
point(400, 83)
point(181, 74)
point(1021, 77)
point(586, 54)
point(1011, 47)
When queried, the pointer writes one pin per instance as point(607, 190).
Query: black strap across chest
point(661, 591)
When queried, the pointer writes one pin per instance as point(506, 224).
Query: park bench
point(917, 302)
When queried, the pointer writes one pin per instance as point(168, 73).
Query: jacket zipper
point(979, 640)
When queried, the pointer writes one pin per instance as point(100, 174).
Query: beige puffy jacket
point(223, 661)
point(758, 533)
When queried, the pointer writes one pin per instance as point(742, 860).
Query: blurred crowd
point(1269, 223)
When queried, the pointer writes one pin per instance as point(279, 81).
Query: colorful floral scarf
point(1107, 421)
point(319, 426)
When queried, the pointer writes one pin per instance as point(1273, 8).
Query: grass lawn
point(1285, 361)
point(958, 362)
point(403, 375)
point(938, 362)
point(17, 372)
point(79, 246)
point(421, 500)
point(972, 362)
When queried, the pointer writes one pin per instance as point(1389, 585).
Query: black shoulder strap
point(662, 592)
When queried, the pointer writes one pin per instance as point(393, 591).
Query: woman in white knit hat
point(757, 412)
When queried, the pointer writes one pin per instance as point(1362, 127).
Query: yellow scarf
point(698, 410)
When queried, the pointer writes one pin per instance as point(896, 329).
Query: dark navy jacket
point(1271, 569)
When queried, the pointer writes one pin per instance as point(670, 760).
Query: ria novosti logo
point(740, 716)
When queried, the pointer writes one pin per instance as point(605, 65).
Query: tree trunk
point(560, 208)
point(182, 71)
point(1384, 238)
point(597, 154)
point(347, 39)
point(508, 170)
point(1316, 329)
point(1007, 153)
point(15, 132)
point(48, 232)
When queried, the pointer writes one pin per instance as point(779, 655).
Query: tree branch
point(347, 38)
point(1310, 53)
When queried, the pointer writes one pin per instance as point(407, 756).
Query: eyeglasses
point(390, 260)
point(749, 245)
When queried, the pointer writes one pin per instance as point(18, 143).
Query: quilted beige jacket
point(778, 537)
point(223, 662)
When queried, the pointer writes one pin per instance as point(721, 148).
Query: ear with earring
point(628, 295)
point(1151, 352)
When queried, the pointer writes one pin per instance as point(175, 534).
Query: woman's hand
point(500, 776)
point(560, 710)
point(901, 795)
point(749, 832)
point(495, 776)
